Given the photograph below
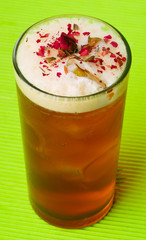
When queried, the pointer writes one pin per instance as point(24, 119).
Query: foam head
point(69, 63)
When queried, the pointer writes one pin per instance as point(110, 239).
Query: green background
point(127, 218)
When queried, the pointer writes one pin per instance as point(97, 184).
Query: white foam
point(68, 84)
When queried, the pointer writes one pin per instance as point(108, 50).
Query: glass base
point(73, 224)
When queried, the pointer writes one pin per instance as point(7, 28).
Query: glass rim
point(122, 76)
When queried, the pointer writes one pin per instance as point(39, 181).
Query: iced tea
point(71, 134)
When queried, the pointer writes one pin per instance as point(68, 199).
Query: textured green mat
point(127, 218)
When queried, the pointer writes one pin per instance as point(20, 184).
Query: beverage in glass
point(71, 75)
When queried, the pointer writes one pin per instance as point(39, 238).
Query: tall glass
point(71, 157)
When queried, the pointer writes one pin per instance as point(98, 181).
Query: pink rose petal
point(44, 36)
point(38, 40)
point(41, 51)
point(86, 33)
point(112, 55)
point(108, 37)
point(113, 66)
point(123, 59)
point(114, 44)
point(103, 67)
point(59, 74)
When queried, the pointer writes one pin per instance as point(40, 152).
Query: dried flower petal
point(103, 67)
point(59, 74)
point(44, 36)
point(112, 55)
point(106, 40)
point(123, 59)
point(119, 60)
point(76, 33)
point(100, 61)
point(99, 71)
point(94, 60)
point(114, 44)
point(118, 53)
point(41, 51)
point(56, 45)
point(86, 33)
point(69, 28)
point(105, 53)
point(85, 50)
point(113, 66)
point(108, 37)
point(44, 74)
point(38, 40)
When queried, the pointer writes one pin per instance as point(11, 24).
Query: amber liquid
point(71, 161)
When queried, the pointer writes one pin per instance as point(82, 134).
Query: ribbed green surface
point(127, 218)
